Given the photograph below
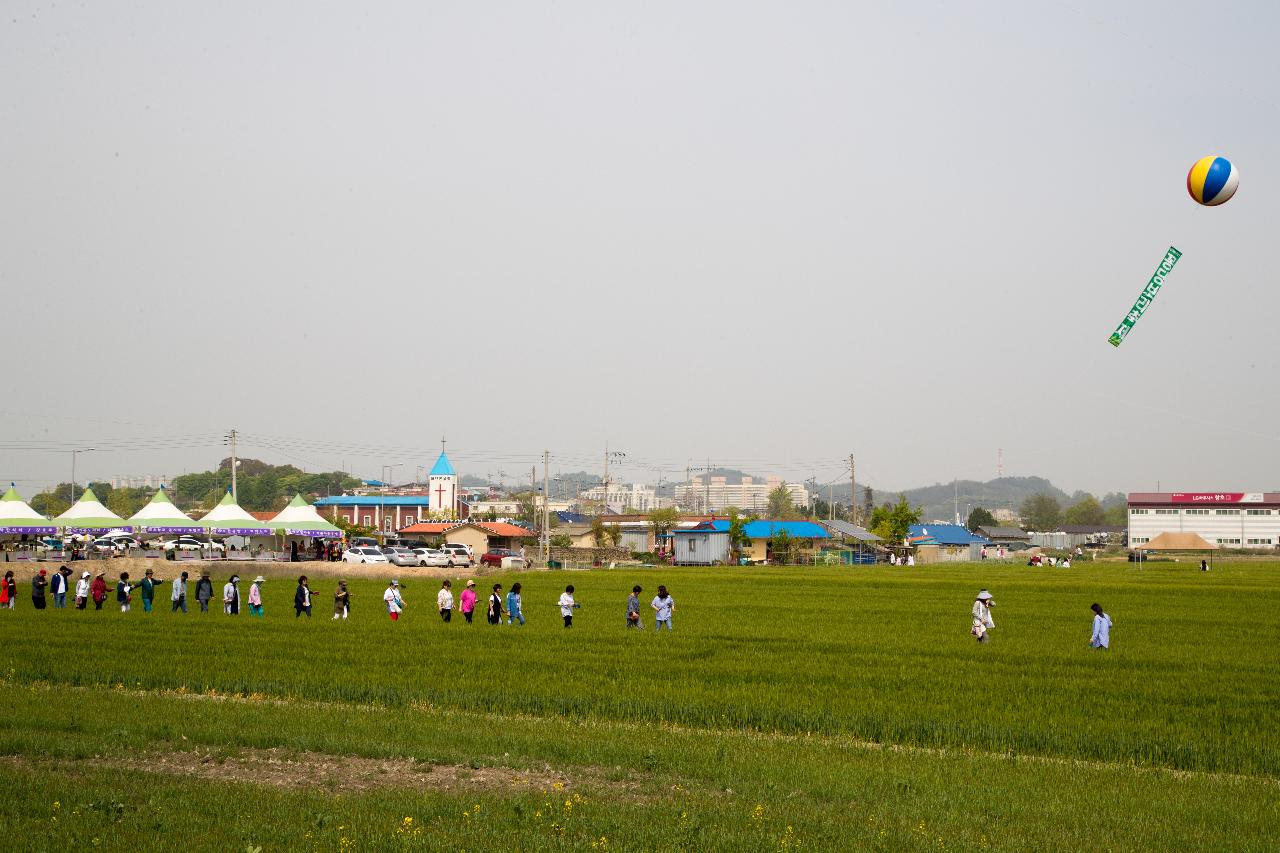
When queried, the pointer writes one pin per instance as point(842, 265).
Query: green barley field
point(807, 709)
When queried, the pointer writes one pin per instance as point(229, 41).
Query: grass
point(848, 705)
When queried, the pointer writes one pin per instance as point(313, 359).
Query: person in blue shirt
point(1101, 638)
point(514, 611)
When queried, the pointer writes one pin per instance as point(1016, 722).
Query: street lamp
point(73, 468)
point(386, 475)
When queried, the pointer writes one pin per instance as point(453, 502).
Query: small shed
point(702, 545)
point(1012, 538)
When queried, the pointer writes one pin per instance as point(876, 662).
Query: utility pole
point(546, 508)
point(853, 491)
point(73, 471)
point(617, 454)
point(231, 438)
point(706, 489)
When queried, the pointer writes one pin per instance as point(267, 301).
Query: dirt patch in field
point(348, 774)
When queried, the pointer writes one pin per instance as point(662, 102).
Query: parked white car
point(190, 543)
point(459, 554)
point(363, 555)
point(115, 544)
point(432, 557)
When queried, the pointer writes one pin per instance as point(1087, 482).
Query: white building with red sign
point(1225, 519)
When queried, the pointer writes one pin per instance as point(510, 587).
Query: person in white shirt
point(982, 621)
point(395, 604)
point(911, 559)
point(567, 605)
point(1101, 638)
point(444, 601)
point(664, 605)
point(82, 591)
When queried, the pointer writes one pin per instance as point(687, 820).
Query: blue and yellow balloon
point(1212, 180)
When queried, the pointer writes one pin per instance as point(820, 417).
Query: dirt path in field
point(346, 774)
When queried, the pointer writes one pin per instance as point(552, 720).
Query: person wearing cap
point(982, 621)
point(495, 605)
point(302, 598)
point(395, 603)
point(1101, 638)
point(58, 587)
point(444, 600)
point(38, 584)
point(633, 609)
point(255, 596)
point(468, 600)
point(98, 589)
point(149, 590)
point(515, 611)
point(204, 591)
point(124, 592)
point(341, 601)
point(179, 594)
point(82, 591)
point(231, 596)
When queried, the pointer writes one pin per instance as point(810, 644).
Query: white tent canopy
point(300, 518)
point(88, 515)
point(17, 516)
point(161, 516)
point(228, 519)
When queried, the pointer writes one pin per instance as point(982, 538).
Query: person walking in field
point(82, 591)
point(58, 587)
point(567, 605)
point(469, 601)
point(124, 592)
point(444, 601)
point(395, 604)
point(8, 591)
point(255, 596)
point(495, 605)
point(515, 610)
point(665, 606)
point(204, 591)
point(149, 590)
point(341, 598)
point(38, 584)
point(98, 589)
point(1101, 638)
point(634, 619)
point(302, 598)
point(178, 594)
point(231, 596)
point(982, 621)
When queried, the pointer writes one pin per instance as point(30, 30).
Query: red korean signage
point(1216, 497)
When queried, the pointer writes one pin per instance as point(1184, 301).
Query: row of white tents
point(160, 517)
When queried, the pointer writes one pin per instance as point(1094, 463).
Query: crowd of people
point(94, 588)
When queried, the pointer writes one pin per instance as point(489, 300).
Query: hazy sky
point(766, 234)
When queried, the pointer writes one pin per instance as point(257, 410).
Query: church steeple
point(442, 487)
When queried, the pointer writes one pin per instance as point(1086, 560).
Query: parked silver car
point(432, 557)
point(401, 556)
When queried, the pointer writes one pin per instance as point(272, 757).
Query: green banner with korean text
point(1146, 297)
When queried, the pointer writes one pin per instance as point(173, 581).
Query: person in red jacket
point(98, 590)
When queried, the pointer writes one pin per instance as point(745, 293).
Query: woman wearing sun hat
point(982, 621)
point(469, 601)
point(255, 596)
point(82, 591)
point(98, 589)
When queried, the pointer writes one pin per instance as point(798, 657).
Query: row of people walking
point(509, 606)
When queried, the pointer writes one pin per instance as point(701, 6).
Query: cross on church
point(440, 496)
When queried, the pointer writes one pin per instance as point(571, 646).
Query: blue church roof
point(443, 468)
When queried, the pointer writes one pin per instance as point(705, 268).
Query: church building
point(442, 489)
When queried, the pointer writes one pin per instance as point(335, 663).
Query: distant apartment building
point(751, 495)
point(638, 497)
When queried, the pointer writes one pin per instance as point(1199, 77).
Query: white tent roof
point(161, 516)
point(17, 516)
point(301, 518)
point(14, 508)
point(89, 514)
point(229, 517)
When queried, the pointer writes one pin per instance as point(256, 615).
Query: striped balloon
point(1212, 180)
